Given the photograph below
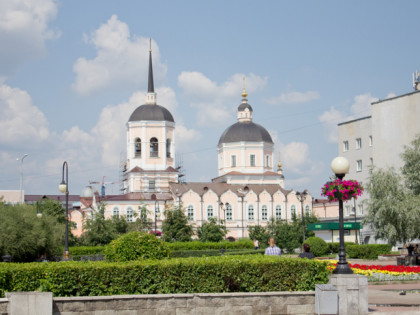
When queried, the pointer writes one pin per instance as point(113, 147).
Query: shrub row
point(214, 252)
point(197, 245)
point(86, 250)
point(368, 251)
point(334, 247)
point(255, 273)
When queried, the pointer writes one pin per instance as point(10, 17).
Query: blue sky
point(71, 73)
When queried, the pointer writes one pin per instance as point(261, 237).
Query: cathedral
point(247, 191)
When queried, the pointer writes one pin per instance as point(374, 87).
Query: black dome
point(151, 112)
point(245, 131)
point(243, 106)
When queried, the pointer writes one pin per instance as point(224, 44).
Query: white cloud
point(23, 31)
point(121, 59)
point(294, 97)
point(361, 107)
point(213, 101)
point(20, 121)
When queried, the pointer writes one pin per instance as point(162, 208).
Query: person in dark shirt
point(307, 252)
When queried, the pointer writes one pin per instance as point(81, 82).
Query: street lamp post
point(340, 167)
point(301, 197)
point(21, 177)
point(64, 188)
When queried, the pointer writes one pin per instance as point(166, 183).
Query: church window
point(307, 210)
point(250, 212)
point(229, 213)
point(264, 213)
point(168, 148)
point(233, 160)
point(267, 161)
point(210, 212)
point(137, 147)
point(152, 185)
point(293, 210)
point(116, 212)
point(190, 213)
point(252, 159)
point(154, 147)
point(278, 212)
point(129, 215)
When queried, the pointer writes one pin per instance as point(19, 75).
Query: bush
point(197, 245)
point(255, 273)
point(214, 252)
point(368, 251)
point(334, 247)
point(136, 246)
point(318, 246)
point(86, 250)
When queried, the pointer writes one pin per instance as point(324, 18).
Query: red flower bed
point(415, 269)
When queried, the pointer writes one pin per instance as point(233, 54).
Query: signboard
point(333, 226)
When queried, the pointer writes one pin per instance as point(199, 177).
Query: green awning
point(333, 226)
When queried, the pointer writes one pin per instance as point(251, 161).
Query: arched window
point(168, 148)
point(278, 212)
point(250, 212)
point(307, 210)
point(137, 147)
point(267, 161)
point(229, 212)
point(116, 212)
point(129, 215)
point(209, 212)
point(190, 213)
point(293, 210)
point(154, 147)
point(264, 213)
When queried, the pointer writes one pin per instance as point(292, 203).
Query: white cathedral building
point(246, 192)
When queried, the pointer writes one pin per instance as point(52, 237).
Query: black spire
point(151, 88)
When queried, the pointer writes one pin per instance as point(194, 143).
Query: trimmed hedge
point(368, 251)
point(197, 245)
point(334, 247)
point(86, 250)
point(214, 252)
point(255, 273)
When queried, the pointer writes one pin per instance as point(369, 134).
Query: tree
point(98, 230)
point(175, 227)
point(25, 236)
point(411, 167)
point(142, 222)
point(260, 233)
point(211, 231)
point(393, 210)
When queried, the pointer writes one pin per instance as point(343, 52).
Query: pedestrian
point(272, 249)
point(256, 244)
point(307, 252)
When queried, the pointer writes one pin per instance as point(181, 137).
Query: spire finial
point(151, 87)
point(279, 164)
point(244, 93)
point(150, 44)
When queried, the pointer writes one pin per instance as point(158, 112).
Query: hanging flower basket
point(342, 190)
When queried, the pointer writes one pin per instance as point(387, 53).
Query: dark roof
point(151, 112)
point(243, 106)
point(245, 131)
point(61, 197)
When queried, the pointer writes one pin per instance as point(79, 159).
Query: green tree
point(211, 231)
point(411, 167)
point(25, 236)
point(142, 222)
point(393, 210)
point(175, 227)
point(98, 230)
point(260, 233)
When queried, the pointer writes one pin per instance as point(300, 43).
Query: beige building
point(248, 190)
point(378, 140)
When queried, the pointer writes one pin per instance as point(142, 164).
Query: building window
point(154, 147)
point(307, 210)
point(359, 165)
point(345, 146)
point(371, 161)
point(152, 185)
point(168, 148)
point(252, 160)
point(347, 211)
point(250, 212)
point(190, 213)
point(358, 143)
point(137, 147)
point(370, 141)
point(267, 161)
point(229, 212)
point(209, 212)
point(278, 212)
point(293, 210)
point(360, 209)
point(116, 212)
point(233, 160)
point(264, 213)
point(129, 215)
